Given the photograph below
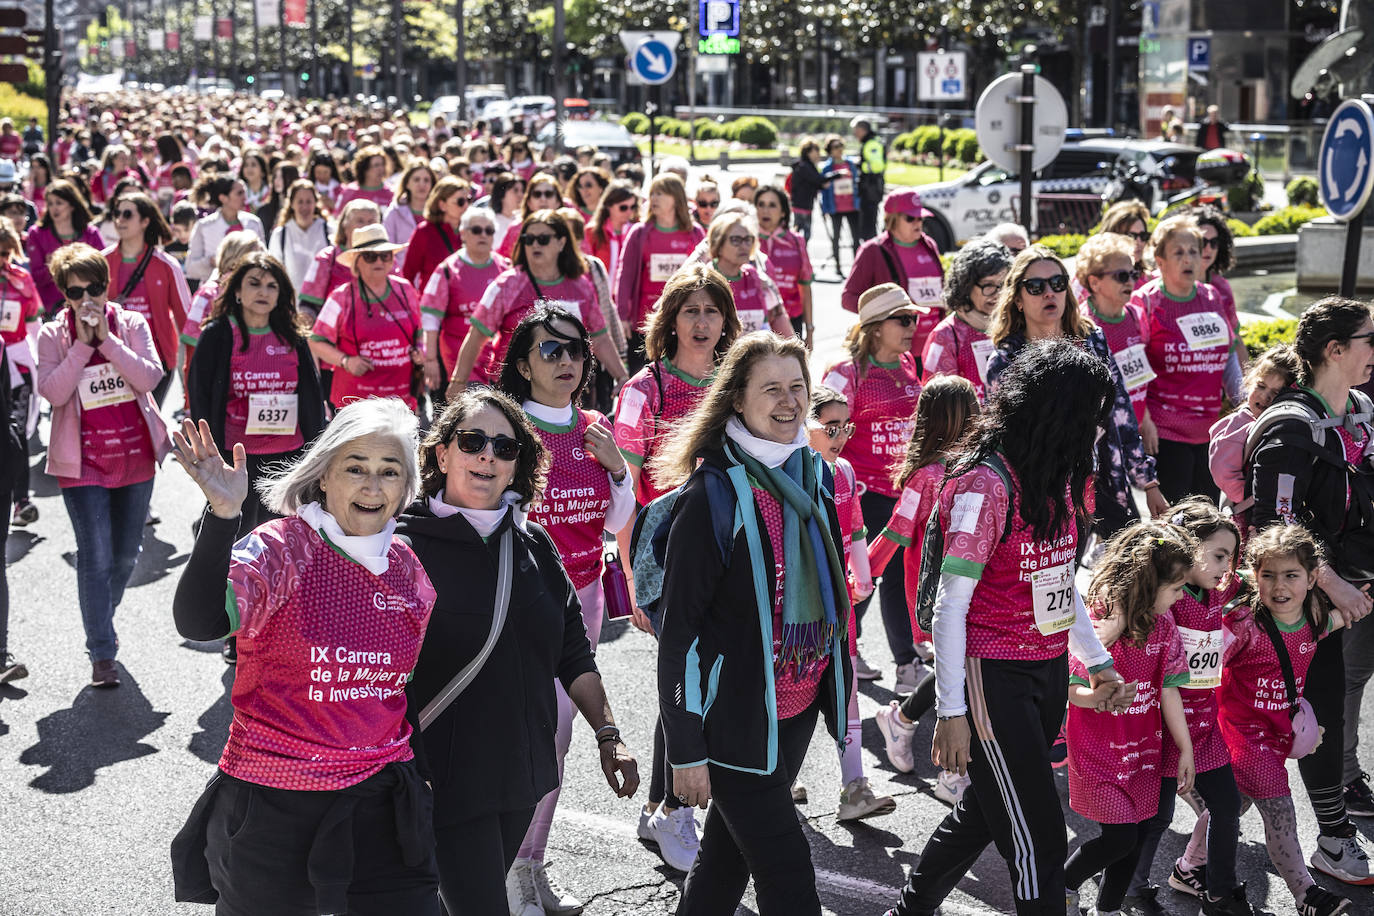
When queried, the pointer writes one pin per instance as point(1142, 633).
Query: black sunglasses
point(552, 350)
point(481, 230)
point(473, 441)
point(1121, 276)
point(905, 321)
point(1369, 337)
point(913, 219)
point(1213, 242)
point(93, 290)
point(544, 192)
point(1138, 236)
point(372, 257)
point(127, 214)
point(708, 204)
point(541, 239)
point(1036, 285)
point(460, 201)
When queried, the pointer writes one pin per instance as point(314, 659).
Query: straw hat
point(372, 237)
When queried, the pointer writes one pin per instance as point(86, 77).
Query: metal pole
point(313, 53)
point(1027, 145)
point(692, 33)
point(257, 53)
point(234, 66)
point(1350, 267)
point(398, 56)
point(559, 39)
point(281, 20)
point(651, 109)
point(348, 72)
point(52, 74)
point(214, 40)
point(1109, 91)
point(461, 64)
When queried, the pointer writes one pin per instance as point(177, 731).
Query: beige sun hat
point(372, 237)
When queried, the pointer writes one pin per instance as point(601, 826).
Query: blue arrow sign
point(1345, 164)
point(653, 62)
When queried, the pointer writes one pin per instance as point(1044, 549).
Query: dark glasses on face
point(989, 289)
point(481, 230)
point(912, 219)
point(836, 430)
point(372, 257)
point(739, 241)
point(541, 239)
point(905, 321)
point(1214, 242)
point(473, 441)
point(1122, 276)
point(544, 192)
point(1138, 236)
point(623, 208)
point(552, 351)
point(130, 213)
point(1036, 285)
point(1369, 337)
point(93, 290)
point(708, 204)
point(459, 201)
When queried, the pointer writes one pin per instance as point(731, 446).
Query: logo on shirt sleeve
point(909, 503)
point(837, 381)
point(631, 406)
point(964, 514)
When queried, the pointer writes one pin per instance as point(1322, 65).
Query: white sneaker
point(676, 835)
point(1342, 858)
point(521, 897)
point(642, 831)
point(896, 737)
point(555, 900)
point(949, 787)
point(864, 671)
point(1098, 911)
point(858, 801)
point(909, 677)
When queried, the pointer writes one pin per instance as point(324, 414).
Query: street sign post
point(1345, 176)
point(652, 62)
point(941, 76)
point(1020, 121)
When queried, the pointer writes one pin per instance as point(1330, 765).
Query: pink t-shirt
point(842, 185)
point(1127, 340)
point(267, 367)
point(325, 650)
point(1114, 758)
point(882, 407)
point(1023, 584)
point(956, 347)
point(789, 265)
point(1187, 343)
point(325, 274)
point(382, 332)
point(850, 514)
point(663, 251)
point(19, 304)
point(451, 296)
point(511, 296)
point(201, 303)
point(576, 498)
point(796, 686)
point(750, 305)
point(1199, 627)
point(382, 197)
point(907, 526)
point(648, 409)
point(925, 285)
point(1253, 716)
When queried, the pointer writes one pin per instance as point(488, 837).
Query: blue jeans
point(109, 534)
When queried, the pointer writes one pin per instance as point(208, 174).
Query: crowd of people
point(454, 402)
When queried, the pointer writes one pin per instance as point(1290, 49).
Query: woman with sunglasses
point(436, 236)
point(1034, 306)
point(370, 327)
point(838, 200)
point(541, 193)
point(589, 491)
point(546, 266)
point(481, 467)
point(522, 164)
point(653, 252)
point(706, 202)
point(617, 209)
point(882, 382)
point(453, 292)
point(732, 248)
point(1129, 218)
point(147, 280)
point(959, 345)
point(1107, 275)
point(1190, 335)
point(301, 232)
point(369, 167)
point(66, 219)
point(585, 190)
point(327, 272)
point(404, 213)
point(789, 264)
point(97, 367)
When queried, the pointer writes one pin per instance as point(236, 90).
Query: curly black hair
point(1207, 215)
point(522, 340)
point(1043, 419)
point(974, 263)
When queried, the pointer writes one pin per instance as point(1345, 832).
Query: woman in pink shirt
point(369, 172)
point(731, 246)
point(789, 264)
point(653, 251)
point(66, 220)
point(541, 193)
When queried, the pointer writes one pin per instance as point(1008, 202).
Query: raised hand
point(225, 487)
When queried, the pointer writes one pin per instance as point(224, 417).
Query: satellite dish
point(1328, 55)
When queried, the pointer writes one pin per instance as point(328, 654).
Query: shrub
point(969, 151)
point(1261, 335)
point(1302, 191)
point(752, 130)
point(708, 129)
point(1239, 229)
point(904, 143)
point(951, 148)
point(636, 122)
point(928, 140)
point(1249, 194)
point(20, 107)
point(1287, 220)
point(1066, 246)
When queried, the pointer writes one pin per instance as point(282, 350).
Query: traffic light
point(305, 77)
point(250, 79)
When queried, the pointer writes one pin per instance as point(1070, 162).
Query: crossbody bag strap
point(138, 273)
point(891, 265)
point(1286, 663)
point(435, 707)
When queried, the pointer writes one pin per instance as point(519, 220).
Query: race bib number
point(11, 311)
point(982, 352)
point(843, 187)
point(927, 291)
point(663, 265)
point(271, 414)
point(1135, 367)
point(1202, 648)
point(1204, 331)
point(1052, 593)
point(751, 320)
point(102, 386)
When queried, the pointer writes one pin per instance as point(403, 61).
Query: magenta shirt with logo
point(789, 265)
point(925, 286)
point(268, 366)
point(643, 417)
point(1187, 342)
point(512, 296)
point(956, 347)
point(662, 253)
point(882, 406)
point(382, 332)
point(451, 296)
point(576, 498)
point(1126, 339)
point(1202, 621)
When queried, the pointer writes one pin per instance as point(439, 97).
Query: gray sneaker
point(864, 671)
point(857, 801)
point(11, 670)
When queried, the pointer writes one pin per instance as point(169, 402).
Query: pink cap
point(906, 201)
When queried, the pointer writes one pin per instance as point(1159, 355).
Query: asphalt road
point(93, 784)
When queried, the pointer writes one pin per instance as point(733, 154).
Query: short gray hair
point(1006, 233)
point(971, 265)
point(289, 487)
point(472, 214)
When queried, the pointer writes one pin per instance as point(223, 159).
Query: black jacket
point(806, 184)
point(492, 750)
point(208, 382)
point(1292, 479)
point(714, 670)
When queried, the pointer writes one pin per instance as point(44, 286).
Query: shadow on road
point(102, 727)
point(208, 743)
point(19, 544)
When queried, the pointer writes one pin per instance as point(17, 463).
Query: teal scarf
point(815, 603)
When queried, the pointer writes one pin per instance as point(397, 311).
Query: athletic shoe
point(11, 670)
point(152, 519)
point(896, 737)
point(104, 673)
point(230, 652)
point(25, 513)
point(521, 897)
point(1059, 751)
point(949, 787)
point(909, 677)
point(864, 671)
point(1145, 903)
point(1097, 911)
point(925, 653)
point(1189, 880)
point(1318, 901)
point(555, 900)
point(1234, 904)
point(857, 801)
point(798, 793)
point(1342, 858)
point(1359, 800)
point(676, 834)
point(642, 831)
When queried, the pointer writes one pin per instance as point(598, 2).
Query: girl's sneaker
point(896, 737)
point(1233, 904)
point(857, 801)
point(1321, 902)
point(11, 670)
point(950, 787)
point(1189, 880)
point(1343, 858)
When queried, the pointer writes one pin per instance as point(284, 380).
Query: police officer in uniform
point(872, 167)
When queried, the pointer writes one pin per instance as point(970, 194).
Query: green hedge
point(635, 122)
point(1261, 335)
point(20, 107)
point(1287, 220)
point(750, 130)
point(1239, 229)
point(1302, 191)
point(1249, 194)
point(1066, 246)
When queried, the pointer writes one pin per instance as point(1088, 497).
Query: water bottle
point(615, 588)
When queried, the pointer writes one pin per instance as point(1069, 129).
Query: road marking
point(1273, 303)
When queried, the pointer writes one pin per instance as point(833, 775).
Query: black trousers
point(868, 220)
point(474, 856)
point(837, 221)
point(1218, 789)
point(752, 829)
point(1182, 470)
point(1015, 710)
point(891, 591)
point(1114, 852)
point(1322, 770)
point(19, 417)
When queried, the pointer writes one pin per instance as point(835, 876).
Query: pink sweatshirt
point(1226, 453)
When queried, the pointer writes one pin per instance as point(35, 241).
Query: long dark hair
point(1331, 318)
point(81, 211)
point(1043, 419)
point(1207, 215)
point(1297, 542)
point(210, 190)
point(570, 263)
point(616, 192)
point(282, 319)
point(531, 468)
point(156, 232)
point(1140, 560)
point(522, 340)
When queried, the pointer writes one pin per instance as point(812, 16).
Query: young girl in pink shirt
point(1275, 370)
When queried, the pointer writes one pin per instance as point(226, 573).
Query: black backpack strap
point(1285, 662)
point(137, 276)
point(891, 265)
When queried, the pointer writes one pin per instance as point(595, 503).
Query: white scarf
point(555, 416)
point(484, 521)
point(370, 551)
point(767, 452)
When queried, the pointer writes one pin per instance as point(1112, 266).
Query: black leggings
point(474, 856)
point(19, 418)
point(1218, 789)
point(752, 829)
point(1113, 852)
point(1182, 471)
point(837, 221)
point(660, 773)
point(891, 591)
point(4, 588)
point(1322, 770)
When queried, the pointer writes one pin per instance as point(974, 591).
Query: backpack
point(1299, 408)
point(933, 548)
point(649, 537)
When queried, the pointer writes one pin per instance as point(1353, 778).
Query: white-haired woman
point(318, 804)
